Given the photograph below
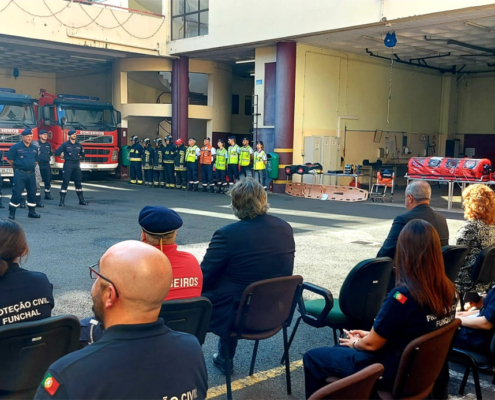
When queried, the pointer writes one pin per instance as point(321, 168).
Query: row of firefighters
point(172, 165)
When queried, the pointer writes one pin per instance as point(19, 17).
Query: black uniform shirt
point(148, 155)
point(136, 151)
point(180, 157)
point(145, 361)
point(169, 154)
point(72, 152)
point(24, 296)
point(24, 157)
point(158, 156)
point(45, 152)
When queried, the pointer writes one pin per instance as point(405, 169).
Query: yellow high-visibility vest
point(259, 163)
point(191, 154)
point(221, 159)
point(245, 156)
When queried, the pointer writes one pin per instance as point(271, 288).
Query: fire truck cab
point(95, 122)
point(16, 114)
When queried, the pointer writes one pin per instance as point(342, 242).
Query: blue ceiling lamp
point(390, 39)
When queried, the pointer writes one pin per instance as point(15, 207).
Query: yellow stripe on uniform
point(283, 150)
point(280, 182)
point(253, 380)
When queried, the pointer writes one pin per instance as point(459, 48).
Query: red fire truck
point(16, 114)
point(95, 122)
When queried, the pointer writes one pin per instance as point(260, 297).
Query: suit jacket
point(240, 254)
point(424, 212)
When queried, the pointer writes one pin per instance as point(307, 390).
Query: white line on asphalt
point(100, 186)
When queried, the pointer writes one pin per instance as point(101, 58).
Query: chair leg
point(477, 386)
point(253, 359)
point(292, 336)
point(464, 381)
point(226, 357)
point(287, 366)
point(335, 340)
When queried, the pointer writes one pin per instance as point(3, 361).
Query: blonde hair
point(479, 203)
point(249, 199)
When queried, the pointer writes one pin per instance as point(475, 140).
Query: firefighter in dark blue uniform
point(44, 163)
point(158, 167)
point(148, 155)
point(1, 180)
point(23, 156)
point(73, 154)
point(168, 162)
point(136, 158)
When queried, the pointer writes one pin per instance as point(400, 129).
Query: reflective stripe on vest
point(258, 160)
point(191, 154)
point(205, 157)
point(233, 155)
point(221, 159)
point(245, 156)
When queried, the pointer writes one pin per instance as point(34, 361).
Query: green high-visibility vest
point(233, 155)
point(259, 163)
point(245, 156)
point(191, 154)
point(221, 159)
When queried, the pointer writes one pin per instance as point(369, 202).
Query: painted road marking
point(253, 380)
point(99, 186)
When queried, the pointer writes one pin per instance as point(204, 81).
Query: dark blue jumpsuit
point(25, 159)
point(136, 158)
point(45, 156)
point(73, 153)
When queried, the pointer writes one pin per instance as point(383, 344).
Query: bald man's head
point(141, 276)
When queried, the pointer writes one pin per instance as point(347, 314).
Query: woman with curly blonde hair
point(478, 232)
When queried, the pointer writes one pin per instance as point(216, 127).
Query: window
point(189, 18)
point(248, 105)
point(235, 104)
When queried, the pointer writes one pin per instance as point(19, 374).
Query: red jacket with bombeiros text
point(187, 280)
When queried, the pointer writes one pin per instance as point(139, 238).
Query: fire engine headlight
point(114, 155)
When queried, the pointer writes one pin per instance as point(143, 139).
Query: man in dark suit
point(417, 201)
point(258, 247)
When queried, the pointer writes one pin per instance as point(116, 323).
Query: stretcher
point(384, 180)
point(445, 168)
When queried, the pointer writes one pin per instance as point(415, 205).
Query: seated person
point(478, 326)
point(417, 202)
point(24, 295)
point(423, 300)
point(138, 357)
point(159, 228)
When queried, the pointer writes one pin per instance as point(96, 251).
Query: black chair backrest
point(27, 349)
point(484, 266)
point(422, 361)
point(364, 289)
point(453, 258)
point(356, 386)
point(268, 304)
point(188, 315)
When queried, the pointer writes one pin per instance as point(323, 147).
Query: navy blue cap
point(71, 132)
point(43, 131)
point(191, 138)
point(245, 138)
point(26, 132)
point(231, 137)
point(159, 220)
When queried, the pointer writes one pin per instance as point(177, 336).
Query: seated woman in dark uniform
point(24, 295)
point(422, 301)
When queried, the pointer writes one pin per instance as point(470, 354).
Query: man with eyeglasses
point(138, 357)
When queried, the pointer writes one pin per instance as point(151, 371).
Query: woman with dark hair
point(24, 295)
point(423, 300)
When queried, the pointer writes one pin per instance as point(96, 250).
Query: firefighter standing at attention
point(168, 162)
point(206, 159)
point(136, 158)
point(45, 157)
point(233, 162)
point(158, 167)
point(73, 153)
point(148, 156)
point(245, 157)
point(221, 166)
point(192, 155)
point(180, 165)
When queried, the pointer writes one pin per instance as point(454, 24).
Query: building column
point(180, 98)
point(285, 87)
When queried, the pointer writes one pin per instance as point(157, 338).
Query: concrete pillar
point(180, 98)
point(284, 108)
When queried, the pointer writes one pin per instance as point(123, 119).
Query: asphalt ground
point(331, 238)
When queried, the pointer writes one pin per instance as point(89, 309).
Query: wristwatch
point(354, 344)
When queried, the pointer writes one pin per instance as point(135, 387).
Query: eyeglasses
point(94, 274)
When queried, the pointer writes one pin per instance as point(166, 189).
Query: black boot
point(48, 196)
point(32, 213)
point(12, 212)
point(219, 189)
point(23, 202)
point(1, 205)
point(62, 199)
point(195, 187)
point(38, 201)
point(211, 189)
point(190, 187)
point(205, 188)
point(81, 199)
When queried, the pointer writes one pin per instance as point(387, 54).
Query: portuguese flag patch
point(400, 297)
point(50, 384)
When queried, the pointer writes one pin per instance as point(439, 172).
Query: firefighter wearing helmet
point(148, 156)
point(158, 167)
point(180, 165)
point(136, 158)
point(168, 162)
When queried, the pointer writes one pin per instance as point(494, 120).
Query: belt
point(23, 170)
point(44, 163)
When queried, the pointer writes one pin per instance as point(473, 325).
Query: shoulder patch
point(50, 384)
point(400, 297)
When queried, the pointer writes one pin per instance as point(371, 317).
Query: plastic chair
point(472, 361)
point(188, 315)
point(266, 308)
point(360, 299)
point(357, 386)
point(453, 258)
point(27, 349)
point(483, 269)
point(421, 364)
